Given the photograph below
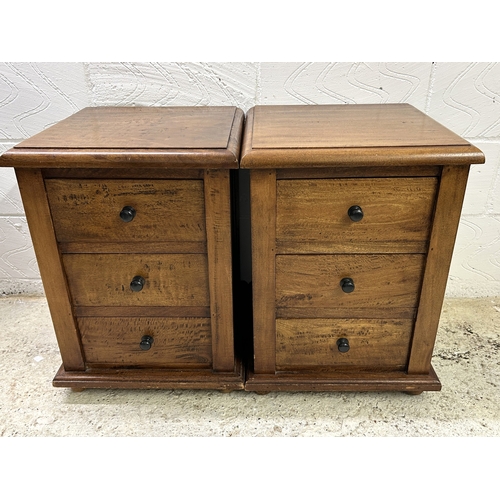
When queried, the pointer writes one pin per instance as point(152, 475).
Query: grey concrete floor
point(466, 359)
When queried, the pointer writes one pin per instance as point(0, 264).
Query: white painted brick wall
point(462, 96)
point(35, 96)
point(173, 84)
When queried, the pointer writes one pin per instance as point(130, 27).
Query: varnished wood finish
point(139, 128)
point(134, 247)
point(356, 171)
point(114, 158)
point(306, 161)
point(179, 138)
point(37, 212)
point(444, 230)
point(401, 157)
point(388, 159)
point(178, 342)
point(82, 172)
point(150, 378)
point(374, 343)
point(381, 281)
point(362, 312)
point(236, 135)
point(246, 143)
point(88, 210)
point(345, 381)
point(312, 247)
point(172, 166)
point(170, 279)
point(340, 126)
point(218, 223)
point(359, 135)
point(263, 224)
point(151, 311)
point(313, 212)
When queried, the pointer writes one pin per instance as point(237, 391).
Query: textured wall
point(462, 96)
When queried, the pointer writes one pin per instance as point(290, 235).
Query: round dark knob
point(127, 214)
point(343, 345)
point(355, 213)
point(347, 285)
point(146, 342)
point(137, 283)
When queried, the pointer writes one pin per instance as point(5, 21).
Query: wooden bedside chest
point(129, 212)
point(354, 212)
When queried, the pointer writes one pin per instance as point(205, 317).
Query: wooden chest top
point(360, 134)
point(196, 136)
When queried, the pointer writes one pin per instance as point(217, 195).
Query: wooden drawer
point(169, 279)
point(382, 282)
point(177, 342)
point(373, 343)
point(89, 210)
point(312, 215)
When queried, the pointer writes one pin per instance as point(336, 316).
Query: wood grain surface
point(370, 135)
point(86, 210)
point(381, 281)
point(177, 342)
point(49, 262)
point(444, 232)
point(341, 380)
point(218, 223)
point(263, 227)
point(186, 137)
point(400, 157)
point(374, 343)
point(170, 279)
point(312, 214)
point(357, 171)
point(152, 378)
point(133, 247)
point(361, 311)
point(202, 127)
point(341, 126)
point(125, 172)
point(150, 311)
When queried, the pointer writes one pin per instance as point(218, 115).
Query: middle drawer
point(137, 279)
point(322, 285)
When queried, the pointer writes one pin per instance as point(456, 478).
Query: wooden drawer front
point(166, 210)
point(177, 342)
point(380, 281)
point(374, 343)
point(312, 215)
point(169, 280)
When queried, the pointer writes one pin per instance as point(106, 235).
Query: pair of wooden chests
point(135, 217)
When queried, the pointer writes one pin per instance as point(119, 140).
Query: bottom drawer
point(372, 343)
point(166, 342)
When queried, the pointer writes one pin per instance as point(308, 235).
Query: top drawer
point(312, 215)
point(163, 210)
